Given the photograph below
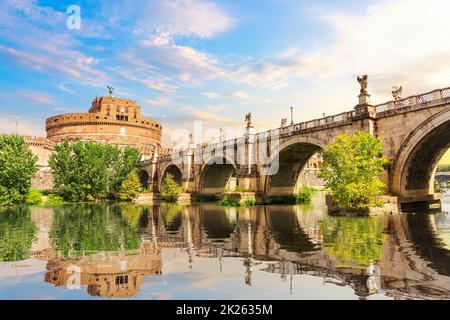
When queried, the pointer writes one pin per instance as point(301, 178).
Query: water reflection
point(121, 250)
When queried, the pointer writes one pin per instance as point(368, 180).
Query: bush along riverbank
point(351, 169)
point(247, 199)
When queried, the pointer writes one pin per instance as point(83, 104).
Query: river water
point(205, 251)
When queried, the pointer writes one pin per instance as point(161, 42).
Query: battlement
point(109, 120)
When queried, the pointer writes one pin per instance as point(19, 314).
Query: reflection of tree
point(17, 233)
point(216, 223)
point(131, 213)
point(92, 228)
point(172, 216)
point(287, 232)
point(356, 240)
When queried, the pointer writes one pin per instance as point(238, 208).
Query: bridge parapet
point(423, 100)
point(404, 105)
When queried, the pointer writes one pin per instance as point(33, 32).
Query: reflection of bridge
point(415, 132)
point(283, 239)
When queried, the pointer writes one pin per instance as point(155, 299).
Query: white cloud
point(159, 101)
point(182, 60)
point(236, 94)
point(36, 96)
point(395, 42)
point(37, 37)
point(196, 18)
point(240, 95)
point(63, 87)
point(211, 95)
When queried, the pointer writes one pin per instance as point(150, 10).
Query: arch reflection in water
point(111, 249)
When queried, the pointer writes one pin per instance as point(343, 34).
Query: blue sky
point(214, 61)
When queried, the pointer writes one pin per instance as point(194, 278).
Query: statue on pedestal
point(248, 120)
point(110, 90)
point(397, 92)
point(363, 82)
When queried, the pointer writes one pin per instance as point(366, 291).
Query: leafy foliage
point(351, 170)
point(249, 202)
point(17, 167)
point(198, 197)
point(439, 187)
point(131, 187)
point(171, 189)
point(443, 168)
point(304, 195)
point(34, 197)
point(87, 171)
point(54, 200)
point(227, 202)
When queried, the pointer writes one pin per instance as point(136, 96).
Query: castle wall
point(110, 120)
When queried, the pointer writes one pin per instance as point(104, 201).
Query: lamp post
point(292, 117)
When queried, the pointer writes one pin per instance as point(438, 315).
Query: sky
point(216, 60)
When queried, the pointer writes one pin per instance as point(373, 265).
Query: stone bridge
point(415, 132)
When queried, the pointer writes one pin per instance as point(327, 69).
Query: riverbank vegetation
point(170, 189)
point(351, 169)
point(198, 197)
point(89, 171)
point(443, 168)
point(304, 195)
point(130, 187)
point(17, 167)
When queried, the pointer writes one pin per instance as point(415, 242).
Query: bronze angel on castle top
point(110, 90)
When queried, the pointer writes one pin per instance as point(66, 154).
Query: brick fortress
point(110, 120)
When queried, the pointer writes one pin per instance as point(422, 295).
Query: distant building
point(110, 120)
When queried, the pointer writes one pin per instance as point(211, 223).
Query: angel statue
point(110, 90)
point(283, 122)
point(363, 83)
point(248, 120)
point(397, 92)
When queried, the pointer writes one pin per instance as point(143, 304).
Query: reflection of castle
point(285, 240)
point(107, 274)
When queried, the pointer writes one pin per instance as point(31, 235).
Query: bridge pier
point(421, 202)
point(415, 133)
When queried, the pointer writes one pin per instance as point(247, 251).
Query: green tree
point(443, 168)
point(125, 162)
point(351, 170)
point(17, 167)
point(171, 189)
point(130, 187)
point(86, 171)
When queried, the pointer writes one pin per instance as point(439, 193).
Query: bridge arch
point(412, 171)
point(144, 178)
point(286, 164)
point(174, 170)
point(216, 174)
